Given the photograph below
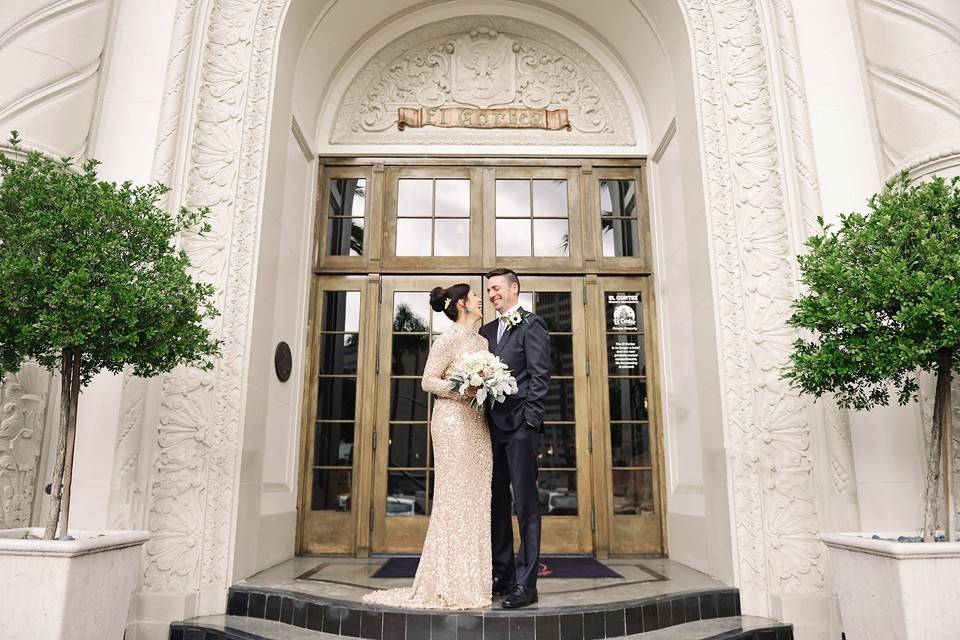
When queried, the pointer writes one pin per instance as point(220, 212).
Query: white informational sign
point(621, 307)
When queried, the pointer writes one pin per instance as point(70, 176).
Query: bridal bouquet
point(487, 373)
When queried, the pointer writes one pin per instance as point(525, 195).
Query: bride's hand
point(472, 392)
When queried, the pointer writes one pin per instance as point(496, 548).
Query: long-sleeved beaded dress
point(455, 565)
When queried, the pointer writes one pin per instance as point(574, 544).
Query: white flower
point(513, 319)
point(486, 373)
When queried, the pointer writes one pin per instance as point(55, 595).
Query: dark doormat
point(550, 567)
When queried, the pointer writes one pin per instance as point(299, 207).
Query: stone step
point(353, 619)
point(246, 628)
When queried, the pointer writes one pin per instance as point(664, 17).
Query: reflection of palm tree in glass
point(406, 321)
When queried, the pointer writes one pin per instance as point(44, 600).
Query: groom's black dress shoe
point(501, 587)
point(521, 596)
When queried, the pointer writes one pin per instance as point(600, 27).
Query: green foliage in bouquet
point(90, 281)
point(883, 305)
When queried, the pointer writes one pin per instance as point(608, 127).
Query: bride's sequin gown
point(455, 565)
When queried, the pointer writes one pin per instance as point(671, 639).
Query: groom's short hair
point(510, 274)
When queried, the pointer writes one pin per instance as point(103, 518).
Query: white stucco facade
point(757, 116)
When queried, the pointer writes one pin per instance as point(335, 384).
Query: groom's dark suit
point(514, 429)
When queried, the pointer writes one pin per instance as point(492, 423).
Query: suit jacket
point(525, 348)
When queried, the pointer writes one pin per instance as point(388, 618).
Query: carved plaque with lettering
point(469, 118)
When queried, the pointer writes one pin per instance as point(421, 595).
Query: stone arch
point(757, 217)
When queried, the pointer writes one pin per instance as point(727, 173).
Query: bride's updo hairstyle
point(445, 300)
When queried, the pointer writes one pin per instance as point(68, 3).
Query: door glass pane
point(406, 493)
point(410, 311)
point(618, 198)
point(333, 444)
point(413, 236)
point(557, 492)
point(331, 490)
point(336, 398)
point(559, 401)
point(626, 355)
point(408, 401)
point(550, 198)
point(558, 446)
point(554, 308)
point(513, 238)
point(551, 238)
point(453, 198)
point(623, 311)
point(341, 311)
point(451, 237)
point(345, 210)
point(513, 199)
point(632, 491)
point(409, 354)
point(628, 399)
point(345, 237)
point(414, 197)
point(408, 445)
point(630, 444)
point(561, 354)
point(338, 353)
point(620, 237)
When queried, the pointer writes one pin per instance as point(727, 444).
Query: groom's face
point(502, 293)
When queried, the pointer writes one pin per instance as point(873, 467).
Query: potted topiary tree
point(90, 281)
point(882, 306)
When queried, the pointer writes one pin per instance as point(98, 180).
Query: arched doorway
point(723, 257)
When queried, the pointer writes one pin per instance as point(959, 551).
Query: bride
point(454, 571)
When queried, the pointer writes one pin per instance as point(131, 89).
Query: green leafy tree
point(90, 281)
point(883, 305)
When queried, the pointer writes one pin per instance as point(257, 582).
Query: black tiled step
point(245, 628)
point(350, 619)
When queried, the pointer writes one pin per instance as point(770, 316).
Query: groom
point(521, 340)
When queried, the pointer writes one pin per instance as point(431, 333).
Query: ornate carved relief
point(23, 404)
point(907, 45)
point(840, 506)
point(775, 509)
point(482, 61)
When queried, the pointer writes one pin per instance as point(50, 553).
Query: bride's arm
point(441, 355)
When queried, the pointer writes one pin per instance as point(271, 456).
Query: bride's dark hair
point(446, 300)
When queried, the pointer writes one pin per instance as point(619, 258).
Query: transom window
point(532, 218)
point(433, 217)
point(471, 215)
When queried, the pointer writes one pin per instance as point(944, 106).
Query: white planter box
point(71, 590)
point(896, 590)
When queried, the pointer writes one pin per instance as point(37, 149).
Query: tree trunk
point(56, 483)
point(71, 442)
point(941, 416)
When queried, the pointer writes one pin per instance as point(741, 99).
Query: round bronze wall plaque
point(283, 361)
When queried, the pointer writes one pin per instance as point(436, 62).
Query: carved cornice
point(482, 61)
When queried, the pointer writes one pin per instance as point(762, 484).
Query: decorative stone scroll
point(474, 63)
point(551, 120)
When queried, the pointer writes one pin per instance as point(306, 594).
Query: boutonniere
point(514, 318)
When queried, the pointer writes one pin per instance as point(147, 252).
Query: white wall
point(126, 134)
point(887, 442)
point(698, 523)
